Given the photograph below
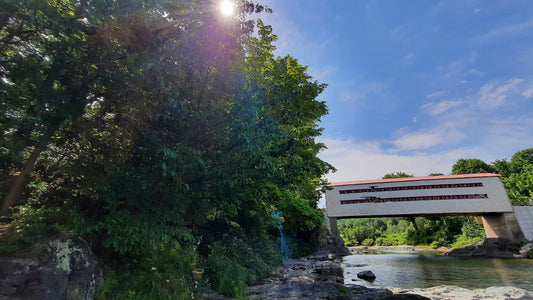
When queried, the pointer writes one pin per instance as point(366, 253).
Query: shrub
point(164, 273)
point(225, 276)
point(368, 242)
point(386, 241)
point(350, 243)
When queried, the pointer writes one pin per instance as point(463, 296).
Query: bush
point(368, 242)
point(226, 276)
point(350, 243)
point(164, 273)
point(386, 241)
point(32, 224)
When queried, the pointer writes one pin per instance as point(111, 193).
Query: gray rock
point(66, 270)
point(490, 247)
point(366, 275)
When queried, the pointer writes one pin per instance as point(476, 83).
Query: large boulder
point(332, 244)
point(64, 269)
point(490, 247)
point(366, 275)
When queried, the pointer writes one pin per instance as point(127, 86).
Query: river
point(410, 269)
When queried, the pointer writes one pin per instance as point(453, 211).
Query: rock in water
point(366, 275)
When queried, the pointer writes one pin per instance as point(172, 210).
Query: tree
point(471, 166)
point(518, 176)
point(396, 175)
point(159, 131)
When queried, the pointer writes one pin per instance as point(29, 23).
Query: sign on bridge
point(468, 194)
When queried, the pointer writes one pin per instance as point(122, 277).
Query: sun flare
point(227, 7)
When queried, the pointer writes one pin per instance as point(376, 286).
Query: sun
point(227, 8)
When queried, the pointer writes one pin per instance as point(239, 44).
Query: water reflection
point(413, 270)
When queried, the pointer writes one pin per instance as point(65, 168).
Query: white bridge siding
point(467, 194)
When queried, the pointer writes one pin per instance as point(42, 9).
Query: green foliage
point(434, 232)
point(518, 176)
point(358, 230)
point(163, 275)
point(343, 289)
point(226, 276)
point(368, 242)
point(161, 132)
point(471, 166)
point(33, 224)
point(396, 175)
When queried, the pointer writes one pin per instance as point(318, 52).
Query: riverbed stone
point(367, 275)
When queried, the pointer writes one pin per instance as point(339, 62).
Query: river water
point(422, 270)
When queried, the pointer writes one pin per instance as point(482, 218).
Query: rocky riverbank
point(445, 292)
point(318, 276)
point(321, 277)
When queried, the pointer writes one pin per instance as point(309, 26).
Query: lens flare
point(227, 8)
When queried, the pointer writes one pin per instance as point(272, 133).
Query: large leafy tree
point(156, 128)
point(518, 176)
point(396, 175)
point(471, 166)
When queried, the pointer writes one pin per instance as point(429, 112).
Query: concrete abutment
point(503, 226)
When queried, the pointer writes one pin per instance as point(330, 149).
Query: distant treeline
point(450, 231)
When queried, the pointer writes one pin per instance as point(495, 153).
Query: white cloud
point(371, 160)
point(493, 95)
point(528, 93)
point(427, 139)
point(368, 161)
point(437, 94)
point(441, 107)
point(475, 71)
point(506, 31)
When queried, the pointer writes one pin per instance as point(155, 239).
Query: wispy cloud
point(441, 107)
point(494, 95)
point(426, 139)
point(408, 59)
point(528, 93)
point(507, 31)
point(437, 94)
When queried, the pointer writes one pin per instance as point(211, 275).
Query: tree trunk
point(19, 182)
point(414, 223)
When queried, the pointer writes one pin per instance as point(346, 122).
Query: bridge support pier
point(503, 225)
point(332, 226)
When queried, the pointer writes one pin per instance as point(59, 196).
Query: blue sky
point(414, 85)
